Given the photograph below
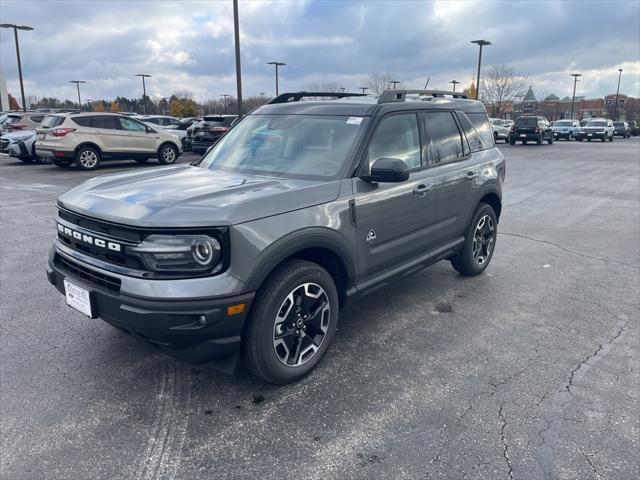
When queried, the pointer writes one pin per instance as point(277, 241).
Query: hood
point(19, 135)
point(189, 196)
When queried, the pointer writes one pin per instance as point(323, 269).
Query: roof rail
point(297, 96)
point(389, 96)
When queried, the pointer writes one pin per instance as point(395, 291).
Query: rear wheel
point(167, 154)
point(87, 158)
point(293, 320)
point(479, 244)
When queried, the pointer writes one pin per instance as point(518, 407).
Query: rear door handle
point(422, 189)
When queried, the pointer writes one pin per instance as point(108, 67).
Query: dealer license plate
point(78, 298)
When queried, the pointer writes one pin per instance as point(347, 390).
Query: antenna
point(427, 84)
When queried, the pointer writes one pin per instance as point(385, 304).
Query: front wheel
point(479, 244)
point(167, 154)
point(293, 320)
point(87, 158)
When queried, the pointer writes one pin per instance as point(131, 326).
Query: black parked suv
point(530, 128)
point(303, 205)
point(209, 131)
point(621, 129)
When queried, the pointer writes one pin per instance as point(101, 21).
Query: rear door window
point(36, 118)
point(444, 142)
point(131, 125)
point(106, 122)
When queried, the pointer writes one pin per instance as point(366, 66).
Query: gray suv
point(251, 251)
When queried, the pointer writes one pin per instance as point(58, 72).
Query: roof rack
point(389, 96)
point(297, 96)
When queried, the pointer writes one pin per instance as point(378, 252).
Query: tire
point(550, 141)
point(580, 139)
point(167, 154)
point(142, 161)
point(588, 139)
point(269, 357)
point(570, 137)
point(62, 163)
point(87, 158)
point(539, 140)
point(512, 142)
point(604, 138)
point(26, 159)
point(524, 142)
point(611, 138)
point(468, 263)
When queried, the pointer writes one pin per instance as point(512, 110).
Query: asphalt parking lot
point(527, 371)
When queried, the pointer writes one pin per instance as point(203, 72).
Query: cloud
point(188, 45)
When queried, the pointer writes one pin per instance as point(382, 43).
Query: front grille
point(87, 273)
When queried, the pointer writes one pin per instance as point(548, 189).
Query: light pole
point(15, 34)
point(277, 64)
point(363, 89)
point(144, 90)
point(224, 97)
point(573, 98)
point(78, 82)
point(236, 29)
point(262, 97)
point(395, 82)
point(481, 43)
point(454, 83)
point(615, 108)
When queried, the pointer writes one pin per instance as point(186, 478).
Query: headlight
point(180, 253)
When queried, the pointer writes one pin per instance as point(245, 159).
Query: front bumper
point(562, 134)
point(595, 135)
point(175, 326)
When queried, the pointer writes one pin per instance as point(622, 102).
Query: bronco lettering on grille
point(89, 239)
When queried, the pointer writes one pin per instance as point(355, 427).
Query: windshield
point(286, 145)
point(596, 124)
point(563, 124)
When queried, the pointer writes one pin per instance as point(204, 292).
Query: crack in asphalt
point(561, 399)
point(505, 446)
point(568, 250)
point(588, 459)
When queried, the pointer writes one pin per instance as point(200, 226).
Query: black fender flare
point(297, 241)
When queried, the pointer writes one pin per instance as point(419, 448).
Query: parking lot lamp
point(144, 91)
point(224, 97)
point(394, 82)
point(454, 83)
point(78, 82)
point(236, 29)
point(573, 98)
point(615, 107)
point(276, 64)
point(481, 43)
point(363, 89)
point(15, 35)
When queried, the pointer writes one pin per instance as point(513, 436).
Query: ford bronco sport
point(252, 250)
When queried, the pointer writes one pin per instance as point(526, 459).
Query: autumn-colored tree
point(13, 103)
point(470, 91)
point(176, 108)
point(115, 106)
point(98, 107)
point(189, 109)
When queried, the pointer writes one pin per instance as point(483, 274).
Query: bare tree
point(378, 82)
point(499, 86)
point(326, 86)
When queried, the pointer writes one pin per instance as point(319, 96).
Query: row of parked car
point(88, 138)
point(532, 128)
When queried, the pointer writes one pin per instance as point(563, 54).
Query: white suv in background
point(88, 138)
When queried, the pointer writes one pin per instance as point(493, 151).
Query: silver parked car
point(500, 129)
point(567, 129)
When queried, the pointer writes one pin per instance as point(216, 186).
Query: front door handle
point(472, 175)
point(422, 189)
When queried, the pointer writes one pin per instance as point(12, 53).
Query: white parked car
point(160, 121)
point(89, 138)
point(500, 129)
point(20, 145)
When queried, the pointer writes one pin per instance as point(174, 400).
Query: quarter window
point(397, 137)
point(444, 140)
point(473, 137)
point(480, 122)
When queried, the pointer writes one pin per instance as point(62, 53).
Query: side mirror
point(387, 170)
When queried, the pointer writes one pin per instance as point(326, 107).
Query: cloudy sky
point(188, 45)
